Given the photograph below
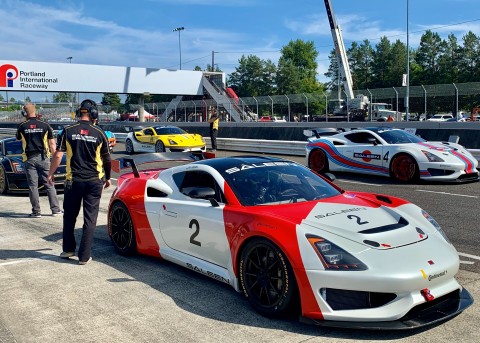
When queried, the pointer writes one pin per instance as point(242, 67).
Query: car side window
point(360, 137)
point(196, 179)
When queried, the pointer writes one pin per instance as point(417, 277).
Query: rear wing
point(323, 131)
point(120, 164)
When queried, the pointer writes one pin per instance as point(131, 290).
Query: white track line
point(469, 256)
point(360, 183)
point(458, 195)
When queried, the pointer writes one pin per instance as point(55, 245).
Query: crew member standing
point(38, 145)
point(88, 172)
point(213, 120)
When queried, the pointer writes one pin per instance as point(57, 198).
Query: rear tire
point(122, 231)
point(318, 161)
point(129, 146)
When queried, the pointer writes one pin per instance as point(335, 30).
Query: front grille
point(445, 304)
point(340, 299)
point(440, 172)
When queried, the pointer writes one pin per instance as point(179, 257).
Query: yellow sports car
point(163, 138)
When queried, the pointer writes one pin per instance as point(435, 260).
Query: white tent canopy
point(146, 115)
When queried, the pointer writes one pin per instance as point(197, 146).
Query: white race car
point(391, 152)
point(291, 241)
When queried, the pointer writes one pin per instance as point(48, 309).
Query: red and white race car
point(391, 152)
point(290, 240)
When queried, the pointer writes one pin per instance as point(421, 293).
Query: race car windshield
point(286, 182)
point(13, 148)
point(169, 130)
point(399, 137)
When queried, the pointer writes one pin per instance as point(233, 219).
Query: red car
point(291, 241)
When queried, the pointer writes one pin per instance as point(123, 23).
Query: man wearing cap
point(88, 172)
point(38, 145)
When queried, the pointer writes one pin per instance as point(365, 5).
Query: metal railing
point(292, 148)
point(291, 107)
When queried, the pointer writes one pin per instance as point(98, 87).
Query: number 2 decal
point(359, 220)
point(195, 223)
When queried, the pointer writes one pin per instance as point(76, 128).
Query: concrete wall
point(469, 133)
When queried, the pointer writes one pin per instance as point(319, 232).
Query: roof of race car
point(377, 129)
point(6, 139)
point(240, 159)
point(166, 129)
point(225, 163)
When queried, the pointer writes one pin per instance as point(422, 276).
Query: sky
point(140, 33)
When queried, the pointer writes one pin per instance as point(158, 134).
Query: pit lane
point(119, 299)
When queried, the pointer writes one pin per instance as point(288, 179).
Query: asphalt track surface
point(143, 299)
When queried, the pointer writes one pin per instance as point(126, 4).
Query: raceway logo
point(27, 79)
point(8, 73)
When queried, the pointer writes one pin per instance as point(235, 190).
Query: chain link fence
point(428, 99)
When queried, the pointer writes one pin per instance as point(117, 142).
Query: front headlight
point(18, 168)
point(333, 257)
point(435, 225)
point(432, 157)
point(172, 142)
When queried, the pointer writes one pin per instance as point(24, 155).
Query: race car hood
point(184, 138)
point(447, 151)
point(361, 219)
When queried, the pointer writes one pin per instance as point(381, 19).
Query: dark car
point(13, 177)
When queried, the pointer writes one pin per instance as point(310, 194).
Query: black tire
point(404, 168)
point(159, 146)
point(267, 280)
point(318, 161)
point(129, 146)
point(3, 181)
point(122, 232)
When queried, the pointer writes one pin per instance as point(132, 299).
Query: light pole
point(179, 29)
point(407, 93)
point(69, 59)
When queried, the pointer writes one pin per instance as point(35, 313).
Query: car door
point(146, 137)
point(193, 225)
point(365, 154)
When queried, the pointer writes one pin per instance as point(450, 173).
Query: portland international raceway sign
point(69, 77)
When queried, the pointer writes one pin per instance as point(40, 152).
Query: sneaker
point(67, 254)
point(58, 213)
point(35, 215)
point(82, 263)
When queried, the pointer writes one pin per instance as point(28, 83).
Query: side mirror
point(330, 177)
point(372, 141)
point(201, 193)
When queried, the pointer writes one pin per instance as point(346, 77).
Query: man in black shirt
point(38, 145)
point(88, 172)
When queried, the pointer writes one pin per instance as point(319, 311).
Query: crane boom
point(340, 52)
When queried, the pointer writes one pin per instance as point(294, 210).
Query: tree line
point(434, 61)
